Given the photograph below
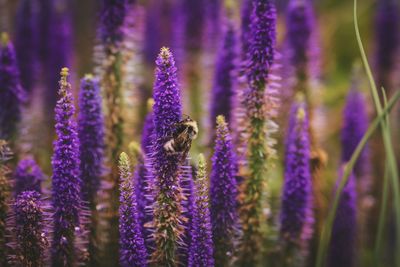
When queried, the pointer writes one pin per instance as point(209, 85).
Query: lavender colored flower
point(112, 18)
point(246, 9)
point(11, 93)
point(223, 195)
point(167, 209)
point(343, 241)
point(223, 89)
point(31, 241)
point(59, 48)
point(132, 248)
point(28, 176)
point(194, 22)
point(387, 36)
point(26, 42)
point(296, 211)
point(91, 137)
point(260, 56)
point(262, 39)
point(143, 177)
point(300, 25)
point(355, 124)
point(201, 245)
point(66, 181)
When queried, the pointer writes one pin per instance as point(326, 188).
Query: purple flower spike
point(262, 41)
point(66, 182)
point(223, 89)
point(143, 177)
point(300, 24)
point(246, 9)
point(167, 207)
point(26, 42)
point(112, 18)
point(343, 242)
point(260, 56)
point(387, 36)
point(28, 176)
point(59, 47)
point(223, 194)
point(31, 241)
point(296, 212)
point(201, 245)
point(132, 248)
point(91, 137)
point(11, 93)
point(355, 124)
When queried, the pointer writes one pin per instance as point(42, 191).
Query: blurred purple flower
point(223, 195)
point(28, 176)
point(11, 92)
point(26, 42)
point(201, 244)
point(66, 181)
point(262, 39)
point(31, 242)
point(132, 249)
point(144, 180)
point(59, 50)
point(387, 37)
point(112, 18)
point(296, 212)
point(223, 89)
point(91, 137)
point(300, 26)
point(343, 242)
point(355, 124)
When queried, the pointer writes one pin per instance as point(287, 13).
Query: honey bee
point(184, 133)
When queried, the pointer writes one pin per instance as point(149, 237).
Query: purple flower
point(300, 25)
point(201, 245)
point(296, 211)
point(28, 176)
point(223, 89)
point(26, 42)
point(112, 18)
point(66, 181)
point(31, 241)
point(387, 36)
point(246, 9)
point(91, 137)
point(194, 22)
point(132, 249)
point(223, 194)
point(59, 48)
point(355, 124)
point(262, 39)
point(167, 207)
point(260, 56)
point(143, 176)
point(343, 241)
point(11, 93)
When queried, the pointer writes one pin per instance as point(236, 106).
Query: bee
point(185, 131)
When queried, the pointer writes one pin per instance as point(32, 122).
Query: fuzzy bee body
point(181, 140)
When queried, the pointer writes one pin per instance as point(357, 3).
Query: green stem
point(327, 230)
point(391, 158)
